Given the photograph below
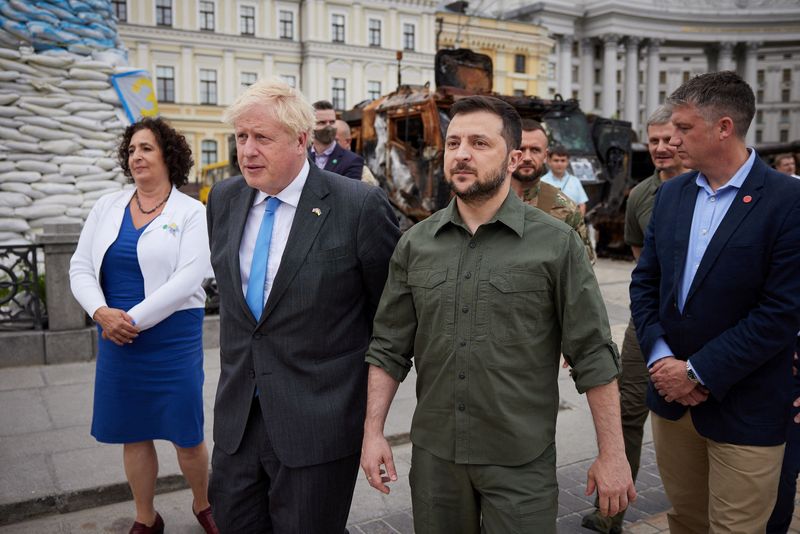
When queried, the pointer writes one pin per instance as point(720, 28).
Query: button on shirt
point(710, 208)
point(284, 216)
point(485, 318)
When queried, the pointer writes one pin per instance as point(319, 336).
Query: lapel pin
point(335, 161)
point(747, 199)
point(316, 211)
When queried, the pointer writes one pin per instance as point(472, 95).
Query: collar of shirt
point(291, 193)
point(510, 214)
point(327, 152)
point(736, 181)
point(561, 180)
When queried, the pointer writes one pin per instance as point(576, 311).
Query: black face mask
point(326, 135)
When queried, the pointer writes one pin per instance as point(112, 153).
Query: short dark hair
point(532, 125)
point(717, 95)
point(174, 148)
point(558, 150)
point(512, 123)
point(322, 104)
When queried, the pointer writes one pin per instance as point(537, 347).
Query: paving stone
point(69, 373)
point(659, 521)
point(569, 524)
point(23, 401)
point(21, 378)
point(46, 442)
point(377, 527)
point(28, 477)
point(641, 528)
point(69, 405)
point(402, 522)
point(574, 503)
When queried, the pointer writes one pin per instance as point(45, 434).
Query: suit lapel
point(683, 226)
point(334, 158)
point(238, 209)
point(312, 210)
point(733, 218)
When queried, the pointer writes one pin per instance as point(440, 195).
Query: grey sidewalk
point(50, 464)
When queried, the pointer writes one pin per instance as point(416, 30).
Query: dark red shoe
point(206, 520)
point(141, 528)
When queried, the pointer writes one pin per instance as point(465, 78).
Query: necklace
point(148, 212)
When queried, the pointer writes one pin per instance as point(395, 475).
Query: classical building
point(202, 53)
point(623, 58)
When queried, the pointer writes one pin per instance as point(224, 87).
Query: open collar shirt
point(485, 318)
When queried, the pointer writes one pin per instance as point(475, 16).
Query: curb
point(74, 501)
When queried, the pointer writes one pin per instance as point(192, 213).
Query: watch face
point(691, 375)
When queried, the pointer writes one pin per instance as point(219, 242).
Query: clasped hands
point(116, 325)
point(671, 381)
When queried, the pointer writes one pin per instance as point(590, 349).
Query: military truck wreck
point(401, 136)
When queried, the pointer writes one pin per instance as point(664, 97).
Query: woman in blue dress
point(137, 271)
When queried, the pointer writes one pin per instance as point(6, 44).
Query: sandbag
point(84, 85)
point(45, 134)
point(13, 111)
point(87, 74)
point(58, 219)
point(106, 163)
point(55, 190)
point(97, 185)
point(47, 102)
point(39, 211)
point(98, 135)
point(16, 135)
point(9, 199)
point(6, 166)
point(69, 198)
point(20, 176)
point(8, 98)
point(9, 75)
point(94, 177)
point(10, 123)
point(17, 187)
point(106, 146)
point(58, 178)
point(13, 225)
point(21, 146)
point(9, 53)
point(81, 122)
point(44, 122)
point(17, 65)
point(78, 170)
point(43, 167)
point(88, 106)
point(97, 115)
point(44, 111)
point(6, 212)
point(75, 160)
point(63, 146)
point(94, 195)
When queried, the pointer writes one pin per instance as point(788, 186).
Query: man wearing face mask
point(325, 152)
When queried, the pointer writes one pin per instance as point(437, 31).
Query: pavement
point(54, 477)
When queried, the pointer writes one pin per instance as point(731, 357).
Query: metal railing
point(22, 303)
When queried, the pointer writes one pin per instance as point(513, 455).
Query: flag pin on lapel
point(747, 199)
point(318, 212)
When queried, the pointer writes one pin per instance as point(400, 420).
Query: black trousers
point(252, 492)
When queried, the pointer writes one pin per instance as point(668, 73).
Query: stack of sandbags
point(60, 122)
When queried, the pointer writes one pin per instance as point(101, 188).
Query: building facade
point(623, 58)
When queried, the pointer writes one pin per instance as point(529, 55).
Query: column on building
point(357, 30)
point(750, 58)
point(427, 34)
point(632, 81)
point(312, 83)
point(309, 20)
point(392, 38)
point(143, 55)
point(587, 74)
point(725, 59)
point(230, 79)
point(565, 66)
point(269, 65)
point(187, 77)
point(609, 92)
point(653, 69)
point(357, 92)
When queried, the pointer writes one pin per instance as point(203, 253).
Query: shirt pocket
point(432, 300)
point(516, 301)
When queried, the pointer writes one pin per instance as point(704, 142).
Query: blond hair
point(288, 104)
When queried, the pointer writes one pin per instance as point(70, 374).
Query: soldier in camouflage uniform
point(529, 187)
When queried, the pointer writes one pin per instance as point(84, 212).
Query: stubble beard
point(481, 190)
point(528, 179)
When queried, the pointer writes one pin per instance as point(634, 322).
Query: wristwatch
point(690, 373)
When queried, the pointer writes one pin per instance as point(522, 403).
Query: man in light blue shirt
point(557, 176)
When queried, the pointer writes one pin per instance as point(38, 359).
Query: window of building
point(208, 86)
point(662, 96)
point(662, 76)
point(248, 78)
point(784, 115)
point(760, 76)
point(519, 63)
point(787, 56)
point(596, 75)
point(373, 90)
point(686, 76)
point(208, 152)
point(641, 76)
point(787, 75)
point(785, 95)
point(759, 136)
point(409, 36)
point(290, 80)
point(575, 75)
point(165, 84)
point(120, 10)
point(337, 28)
point(783, 136)
point(574, 95)
point(164, 12)
point(519, 92)
point(339, 93)
point(206, 15)
point(247, 20)
point(619, 76)
point(597, 101)
point(760, 96)
point(286, 23)
point(687, 58)
point(759, 117)
point(374, 32)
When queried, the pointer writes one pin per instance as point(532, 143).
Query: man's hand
point(694, 397)
point(117, 325)
point(611, 476)
point(376, 452)
point(670, 379)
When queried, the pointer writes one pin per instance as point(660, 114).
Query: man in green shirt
point(485, 295)
point(633, 382)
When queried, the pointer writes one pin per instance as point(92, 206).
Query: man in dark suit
point(714, 300)
point(325, 151)
point(300, 257)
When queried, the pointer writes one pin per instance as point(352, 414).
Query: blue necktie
point(258, 268)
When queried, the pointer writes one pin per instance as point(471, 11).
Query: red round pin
point(747, 199)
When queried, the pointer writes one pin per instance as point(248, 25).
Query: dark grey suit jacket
point(306, 354)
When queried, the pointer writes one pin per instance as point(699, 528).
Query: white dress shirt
point(284, 216)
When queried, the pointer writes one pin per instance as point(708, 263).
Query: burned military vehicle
point(401, 136)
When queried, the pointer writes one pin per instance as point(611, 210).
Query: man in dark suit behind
point(301, 257)
point(325, 151)
point(714, 300)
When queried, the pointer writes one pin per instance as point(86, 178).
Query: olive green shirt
point(485, 318)
point(639, 210)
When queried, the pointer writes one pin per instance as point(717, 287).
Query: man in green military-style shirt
point(633, 382)
point(485, 295)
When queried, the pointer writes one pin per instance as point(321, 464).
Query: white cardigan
point(173, 256)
